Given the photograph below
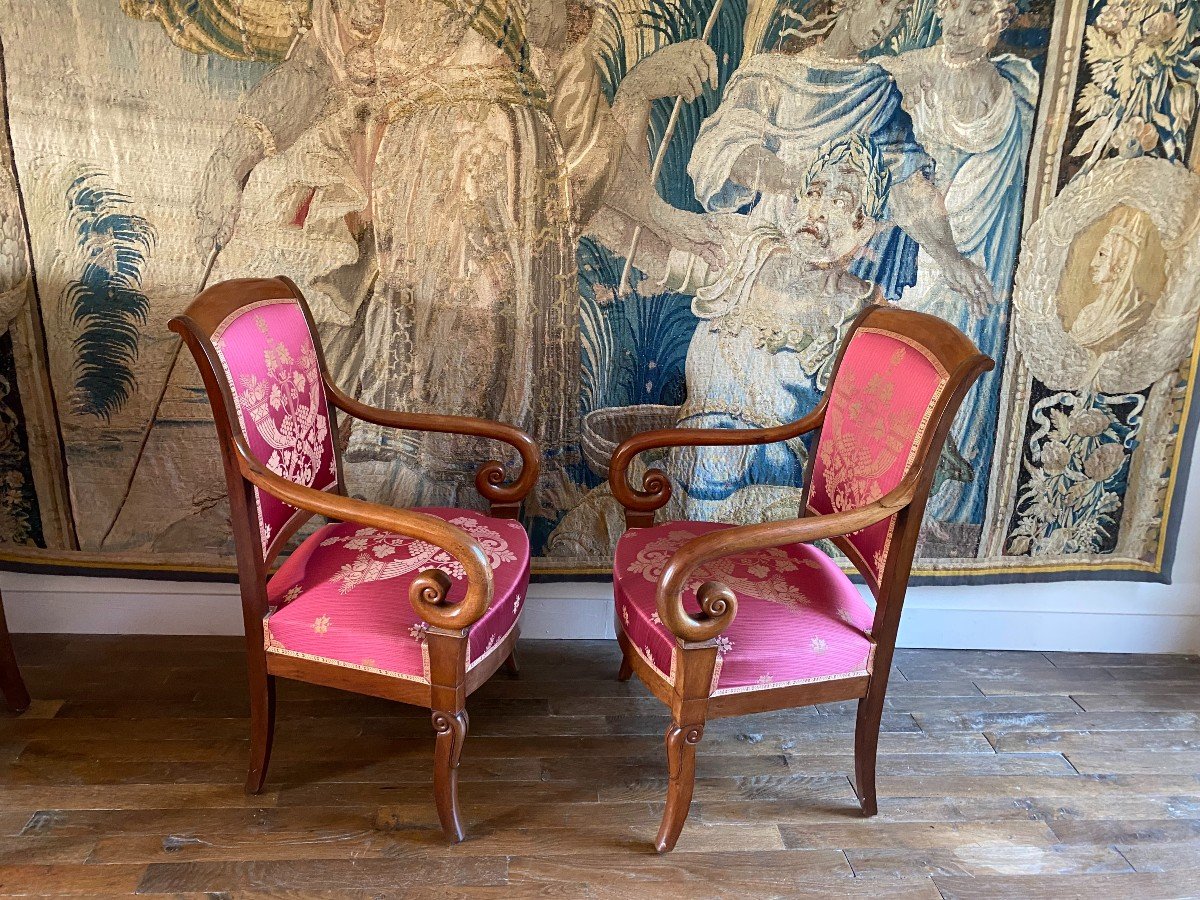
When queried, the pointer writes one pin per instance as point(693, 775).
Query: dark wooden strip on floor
point(1032, 775)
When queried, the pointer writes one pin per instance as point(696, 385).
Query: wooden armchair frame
point(450, 683)
point(689, 697)
point(12, 685)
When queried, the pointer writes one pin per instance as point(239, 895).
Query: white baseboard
point(1082, 616)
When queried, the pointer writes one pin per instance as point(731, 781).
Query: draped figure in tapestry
point(779, 108)
point(770, 319)
point(770, 324)
point(974, 117)
point(458, 148)
point(751, 158)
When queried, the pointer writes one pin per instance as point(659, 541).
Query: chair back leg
point(511, 666)
point(262, 725)
point(866, 746)
point(11, 683)
point(626, 670)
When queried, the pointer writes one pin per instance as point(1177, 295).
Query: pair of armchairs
point(331, 615)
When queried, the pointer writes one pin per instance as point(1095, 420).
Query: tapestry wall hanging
point(595, 217)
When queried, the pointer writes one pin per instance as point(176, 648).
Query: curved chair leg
point(510, 664)
point(262, 728)
point(626, 671)
point(866, 745)
point(681, 743)
point(12, 685)
point(451, 728)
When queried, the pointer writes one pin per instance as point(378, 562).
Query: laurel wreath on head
point(865, 157)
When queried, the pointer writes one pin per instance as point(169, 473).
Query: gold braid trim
point(407, 97)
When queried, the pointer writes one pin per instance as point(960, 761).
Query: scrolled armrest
point(489, 478)
point(718, 603)
point(430, 589)
point(656, 486)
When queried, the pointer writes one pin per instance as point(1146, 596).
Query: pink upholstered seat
point(342, 596)
point(800, 619)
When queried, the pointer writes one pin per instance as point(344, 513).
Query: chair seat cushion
point(342, 596)
point(799, 619)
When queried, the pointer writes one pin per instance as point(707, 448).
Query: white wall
point(1120, 617)
point(1102, 616)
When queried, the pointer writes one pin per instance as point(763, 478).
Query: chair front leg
point(688, 714)
point(451, 731)
point(448, 670)
point(681, 741)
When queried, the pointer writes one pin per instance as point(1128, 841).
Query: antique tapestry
point(591, 218)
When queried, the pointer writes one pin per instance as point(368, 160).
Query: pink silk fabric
point(270, 360)
point(799, 620)
point(882, 399)
point(342, 596)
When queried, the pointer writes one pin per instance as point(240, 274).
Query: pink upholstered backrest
point(880, 406)
point(269, 358)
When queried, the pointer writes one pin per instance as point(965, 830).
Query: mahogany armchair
point(723, 620)
point(419, 606)
point(12, 685)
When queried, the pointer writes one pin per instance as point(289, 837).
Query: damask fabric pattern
point(799, 619)
point(342, 596)
point(270, 362)
point(882, 399)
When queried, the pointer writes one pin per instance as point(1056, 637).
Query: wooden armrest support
point(656, 487)
point(489, 478)
point(429, 591)
point(717, 602)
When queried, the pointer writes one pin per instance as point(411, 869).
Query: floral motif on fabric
point(882, 398)
point(386, 555)
point(270, 361)
point(863, 435)
point(762, 573)
point(287, 407)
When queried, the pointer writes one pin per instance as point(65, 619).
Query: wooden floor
point(1025, 775)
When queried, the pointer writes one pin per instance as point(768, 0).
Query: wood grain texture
point(118, 791)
